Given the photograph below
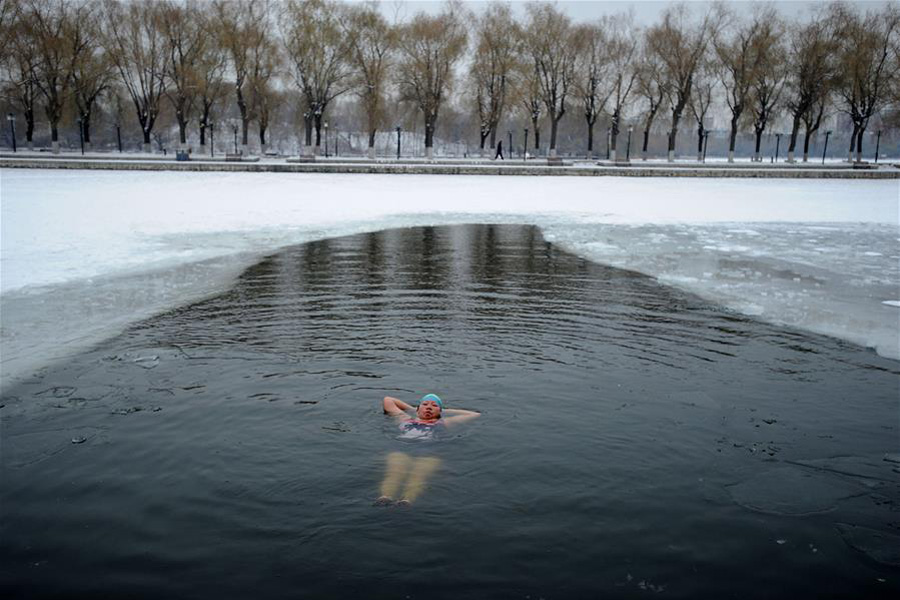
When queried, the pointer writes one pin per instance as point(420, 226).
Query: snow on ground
point(84, 253)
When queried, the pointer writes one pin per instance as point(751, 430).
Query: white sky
point(646, 12)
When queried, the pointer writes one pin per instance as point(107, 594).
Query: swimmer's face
point(429, 409)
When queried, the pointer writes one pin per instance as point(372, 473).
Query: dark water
point(635, 440)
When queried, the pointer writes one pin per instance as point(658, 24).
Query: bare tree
point(653, 89)
point(187, 40)
point(811, 73)
point(243, 27)
point(318, 51)
point(680, 45)
point(92, 70)
point(737, 62)
point(48, 27)
point(429, 48)
point(768, 76)
point(372, 44)
point(19, 65)
point(137, 47)
point(867, 64)
point(492, 68)
point(622, 49)
point(701, 101)
point(265, 63)
point(552, 48)
point(590, 71)
point(210, 68)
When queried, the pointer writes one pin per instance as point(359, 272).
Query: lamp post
point(777, 146)
point(525, 150)
point(12, 128)
point(337, 139)
point(608, 131)
point(705, 143)
point(212, 140)
point(877, 144)
point(628, 147)
point(827, 133)
point(398, 142)
point(234, 127)
point(81, 133)
point(510, 149)
point(119, 137)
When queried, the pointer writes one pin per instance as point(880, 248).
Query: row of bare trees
point(74, 54)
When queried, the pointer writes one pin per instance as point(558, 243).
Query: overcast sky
point(646, 12)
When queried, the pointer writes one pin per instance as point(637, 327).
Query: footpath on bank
point(540, 167)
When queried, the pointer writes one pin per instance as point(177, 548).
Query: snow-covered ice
point(84, 253)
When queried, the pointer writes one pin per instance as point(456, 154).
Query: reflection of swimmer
point(430, 418)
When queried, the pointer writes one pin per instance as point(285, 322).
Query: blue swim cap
point(433, 398)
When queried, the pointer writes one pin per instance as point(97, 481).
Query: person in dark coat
point(499, 150)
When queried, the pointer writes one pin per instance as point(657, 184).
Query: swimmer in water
point(416, 424)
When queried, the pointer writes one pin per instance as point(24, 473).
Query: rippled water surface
point(634, 439)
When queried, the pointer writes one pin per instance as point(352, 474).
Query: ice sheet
point(83, 253)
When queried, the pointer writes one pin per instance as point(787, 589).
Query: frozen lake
point(85, 253)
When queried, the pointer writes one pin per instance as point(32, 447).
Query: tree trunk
point(86, 128)
point(732, 140)
point(646, 141)
point(806, 144)
point(182, 133)
point(859, 144)
point(262, 136)
point(29, 127)
point(613, 135)
point(795, 128)
point(699, 143)
point(482, 135)
point(852, 142)
point(493, 136)
point(756, 154)
point(554, 126)
point(537, 136)
point(590, 145)
point(672, 135)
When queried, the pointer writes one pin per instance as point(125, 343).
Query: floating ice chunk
point(892, 303)
point(872, 254)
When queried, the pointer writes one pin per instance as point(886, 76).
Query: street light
point(12, 127)
point(608, 131)
point(827, 133)
point(119, 137)
point(337, 139)
point(705, 143)
point(628, 147)
point(777, 146)
point(398, 142)
point(510, 149)
point(81, 133)
point(877, 144)
point(212, 141)
point(235, 128)
point(326, 139)
point(525, 151)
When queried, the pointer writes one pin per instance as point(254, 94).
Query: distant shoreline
point(534, 167)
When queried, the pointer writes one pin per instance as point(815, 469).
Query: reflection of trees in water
point(464, 291)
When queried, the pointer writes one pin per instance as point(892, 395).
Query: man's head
point(430, 407)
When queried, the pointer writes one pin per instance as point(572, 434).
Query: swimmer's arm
point(395, 407)
point(454, 416)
